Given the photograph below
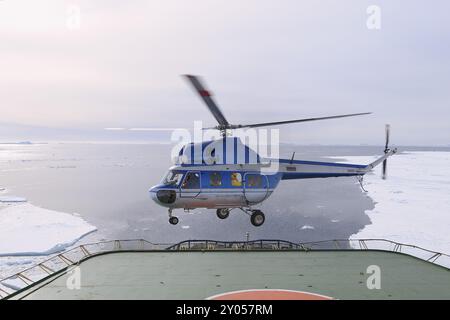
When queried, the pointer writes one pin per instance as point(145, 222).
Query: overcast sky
point(263, 60)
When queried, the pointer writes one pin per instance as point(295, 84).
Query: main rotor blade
point(298, 120)
point(206, 97)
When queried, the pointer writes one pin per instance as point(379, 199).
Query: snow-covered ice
point(6, 199)
point(413, 205)
point(29, 230)
point(14, 283)
point(307, 227)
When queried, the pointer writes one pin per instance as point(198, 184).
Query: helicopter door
point(256, 187)
point(191, 185)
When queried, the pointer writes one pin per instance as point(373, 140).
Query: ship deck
point(201, 274)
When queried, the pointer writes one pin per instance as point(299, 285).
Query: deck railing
point(61, 261)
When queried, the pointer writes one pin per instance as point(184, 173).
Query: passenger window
point(253, 181)
point(236, 179)
point(192, 181)
point(215, 179)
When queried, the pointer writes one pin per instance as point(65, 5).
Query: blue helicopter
point(225, 174)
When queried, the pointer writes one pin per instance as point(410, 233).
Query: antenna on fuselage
point(292, 158)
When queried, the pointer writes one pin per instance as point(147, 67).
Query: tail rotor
point(386, 150)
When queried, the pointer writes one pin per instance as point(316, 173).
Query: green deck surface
point(198, 275)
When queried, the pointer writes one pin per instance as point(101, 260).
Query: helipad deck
point(340, 274)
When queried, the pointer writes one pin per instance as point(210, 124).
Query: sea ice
point(413, 205)
point(14, 283)
point(6, 199)
point(29, 230)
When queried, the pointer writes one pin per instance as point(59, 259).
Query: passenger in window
point(254, 181)
point(215, 179)
point(236, 179)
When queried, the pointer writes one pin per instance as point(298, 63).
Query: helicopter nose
point(162, 196)
point(153, 191)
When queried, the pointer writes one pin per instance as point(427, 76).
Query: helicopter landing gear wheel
point(257, 218)
point(173, 220)
point(223, 213)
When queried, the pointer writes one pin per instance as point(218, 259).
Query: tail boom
point(299, 169)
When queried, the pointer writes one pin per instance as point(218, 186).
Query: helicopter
point(226, 174)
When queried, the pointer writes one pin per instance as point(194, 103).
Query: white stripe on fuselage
point(282, 168)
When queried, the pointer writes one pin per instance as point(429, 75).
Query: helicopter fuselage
point(238, 185)
point(216, 186)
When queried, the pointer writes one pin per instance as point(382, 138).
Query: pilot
point(186, 181)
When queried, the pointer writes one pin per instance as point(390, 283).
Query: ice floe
point(413, 205)
point(8, 199)
point(29, 230)
point(14, 283)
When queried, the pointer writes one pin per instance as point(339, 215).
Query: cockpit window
point(192, 181)
point(172, 178)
